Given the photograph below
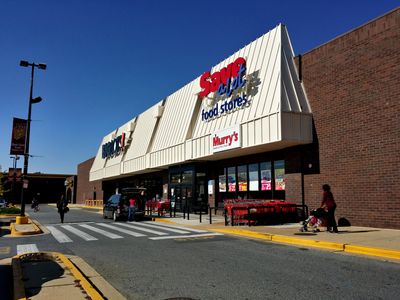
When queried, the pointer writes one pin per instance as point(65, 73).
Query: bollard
point(200, 213)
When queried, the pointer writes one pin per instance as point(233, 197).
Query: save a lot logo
point(224, 83)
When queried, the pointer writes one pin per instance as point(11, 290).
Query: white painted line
point(58, 235)
point(27, 248)
point(185, 236)
point(81, 234)
point(178, 227)
point(161, 227)
point(135, 234)
point(103, 232)
point(130, 225)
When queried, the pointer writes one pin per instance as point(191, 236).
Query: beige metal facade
point(276, 116)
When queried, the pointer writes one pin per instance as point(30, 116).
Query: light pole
point(15, 158)
point(24, 63)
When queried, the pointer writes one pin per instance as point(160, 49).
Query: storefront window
point(279, 167)
point(242, 178)
point(232, 179)
point(222, 181)
point(176, 178)
point(266, 180)
point(253, 177)
point(187, 177)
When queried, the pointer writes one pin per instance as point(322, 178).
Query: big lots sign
point(224, 81)
point(226, 139)
point(113, 147)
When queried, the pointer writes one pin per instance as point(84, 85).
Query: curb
point(19, 289)
point(9, 216)
point(36, 230)
point(379, 252)
point(348, 248)
point(70, 205)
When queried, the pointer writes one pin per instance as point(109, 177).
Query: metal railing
point(94, 203)
point(254, 215)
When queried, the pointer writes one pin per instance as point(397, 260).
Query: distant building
point(86, 190)
point(47, 188)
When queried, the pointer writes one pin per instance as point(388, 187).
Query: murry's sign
point(226, 139)
point(113, 147)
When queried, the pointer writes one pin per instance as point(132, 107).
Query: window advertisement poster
point(266, 179)
point(222, 183)
point(279, 175)
point(253, 177)
point(242, 178)
point(231, 180)
point(211, 184)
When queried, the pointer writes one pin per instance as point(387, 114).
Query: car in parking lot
point(116, 207)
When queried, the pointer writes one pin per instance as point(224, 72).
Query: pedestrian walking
point(62, 208)
point(131, 209)
point(329, 204)
point(35, 203)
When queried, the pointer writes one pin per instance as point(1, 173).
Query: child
point(315, 220)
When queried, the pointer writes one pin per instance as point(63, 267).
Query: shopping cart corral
point(261, 212)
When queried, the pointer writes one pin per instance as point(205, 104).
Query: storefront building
point(264, 124)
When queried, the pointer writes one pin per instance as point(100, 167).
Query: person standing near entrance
point(329, 204)
point(132, 209)
point(62, 208)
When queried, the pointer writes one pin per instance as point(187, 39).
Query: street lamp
point(24, 63)
point(15, 158)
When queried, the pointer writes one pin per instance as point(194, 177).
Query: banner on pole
point(18, 137)
point(17, 172)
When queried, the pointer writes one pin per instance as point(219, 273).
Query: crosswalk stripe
point(136, 234)
point(26, 248)
point(162, 227)
point(58, 235)
point(81, 234)
point(130, 225)
point(101, 231)
point(185, 236)
point(178, 227)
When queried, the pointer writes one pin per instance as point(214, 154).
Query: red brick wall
point(84, 187)
point(353, 85)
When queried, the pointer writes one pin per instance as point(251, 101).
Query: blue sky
point(109, 60)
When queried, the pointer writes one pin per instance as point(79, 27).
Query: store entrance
point(181, 196)
point(187, 188)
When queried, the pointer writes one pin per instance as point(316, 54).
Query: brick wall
point(85, 188)
point(353, 85)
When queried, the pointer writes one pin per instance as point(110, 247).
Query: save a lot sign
point(224, 83)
